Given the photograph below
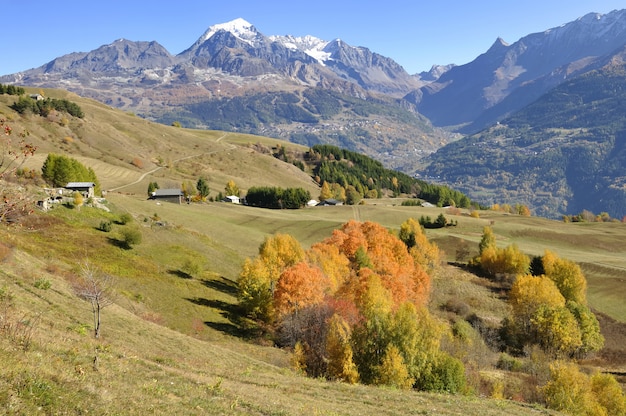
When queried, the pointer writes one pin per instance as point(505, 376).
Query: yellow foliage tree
point(335, 265)
point(569, 390)
point(556, 330)
point(509, 261)
point(339, 352)
point(325, 192)
point(424, 252)
point(279, 252)
point(78, 199)
point(255, 290)
point(392, 371)
point(232, 188)
point(568, 277)
point(609, 394)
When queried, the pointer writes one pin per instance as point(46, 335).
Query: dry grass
point(177, 339)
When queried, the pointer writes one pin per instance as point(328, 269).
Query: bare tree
point(14, 202)
point(95, 287)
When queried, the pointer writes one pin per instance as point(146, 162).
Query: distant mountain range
point(506, 78)
point(311, 91)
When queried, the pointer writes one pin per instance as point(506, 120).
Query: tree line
point(45, 106)
point(11, 90)
point(277, 198)
point(369, 177)
point(59, 170)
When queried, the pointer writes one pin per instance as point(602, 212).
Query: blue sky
point(415, 33)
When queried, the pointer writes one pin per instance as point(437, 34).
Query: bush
point(105, 226)
point(131, 237)
point(43, 284)
point(447, 375)
point(508, 363)
point(125, 218)
point(457, 306)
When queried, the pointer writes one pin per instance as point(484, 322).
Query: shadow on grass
point(180, 273)
point(236, 326)
point(119, 243)
point(222, 284)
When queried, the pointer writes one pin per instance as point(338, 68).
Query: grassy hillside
point(173, 342)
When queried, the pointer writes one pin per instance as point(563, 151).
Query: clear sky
point(415, 33)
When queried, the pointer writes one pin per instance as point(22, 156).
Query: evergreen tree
point(203, 188)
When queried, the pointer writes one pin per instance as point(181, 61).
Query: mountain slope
point(526, 68)
point(233, 63)
point(562, 154)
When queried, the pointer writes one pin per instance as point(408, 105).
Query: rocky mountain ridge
point(507, 77)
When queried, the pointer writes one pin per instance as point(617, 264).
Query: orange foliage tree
point(298, 287)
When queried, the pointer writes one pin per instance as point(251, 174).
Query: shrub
point(457, 306)
point(43, 284)
point(125, 218)
point(131, 237)
point(508, 363)
point(105, 226)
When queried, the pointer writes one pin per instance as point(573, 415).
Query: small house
point(329, 203)
point(36, 97)
point(168, 195)
point(233, 199)
point(87, 189)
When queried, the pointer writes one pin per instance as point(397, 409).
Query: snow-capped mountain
point(509, 76)
point(312, 46)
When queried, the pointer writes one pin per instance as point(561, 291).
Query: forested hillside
point(563, 154)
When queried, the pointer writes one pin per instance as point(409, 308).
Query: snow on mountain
point(312, 46)
point(239, 27)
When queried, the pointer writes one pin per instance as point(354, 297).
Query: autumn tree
point(592, 339)
point(392, 371)
point(232, 188)
point(609, 394)
point(325, 192)
point(488, 240)
point(424, 252)
point(298, 287)
point(259, 277)
point(334, 265)
point(339, 351)
point(569, 390)
point(254, 290)
point(568, 277)
point(541, 315)
point(371, 337)
point(528, 295)
point(78, 199)
point(506, 262)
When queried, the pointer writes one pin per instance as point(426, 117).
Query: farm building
point(168, 195)
point(233, 199)
point(85, 188)
point(329, 202)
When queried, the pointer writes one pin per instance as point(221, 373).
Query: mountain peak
point(239, 27)
point(499, 43)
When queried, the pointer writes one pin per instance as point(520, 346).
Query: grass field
point(173, 343)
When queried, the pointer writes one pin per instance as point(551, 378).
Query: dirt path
point(143, 176)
